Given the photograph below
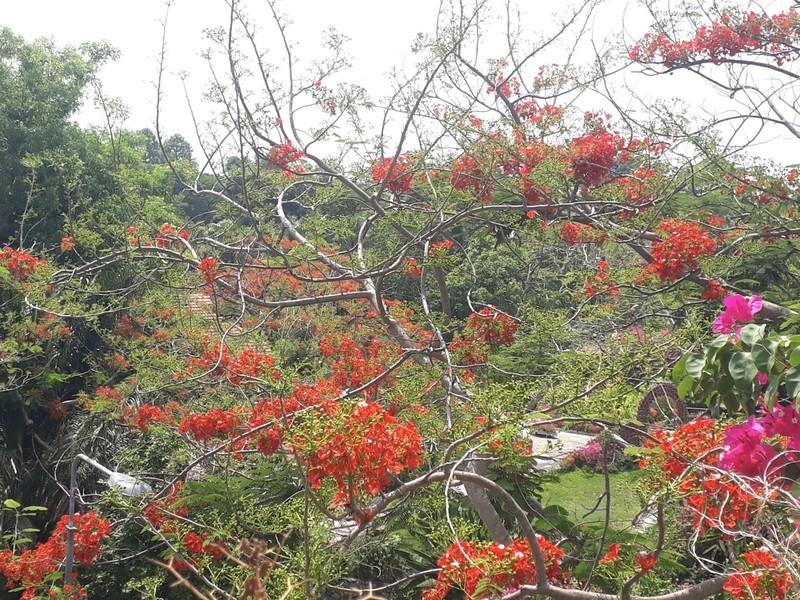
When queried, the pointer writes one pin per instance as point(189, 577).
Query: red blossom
point(484, 331)
point(681, 245)
point(400, 178)
point(600, 282)
point(360, 448)
point(714, 291)
point(209, 425)
point(147, 414)
point(593, 155)
point(612, 555)
point(208, 267)
point(284, 157)
point(67, 243)
point(645, 560)
point(411, 268)
point(578, 233)
point(479, 570)
point(20, 264)
point(467, 174)
point(199, 544)
point(764, 577)
point(736, 33)
point(31, 570)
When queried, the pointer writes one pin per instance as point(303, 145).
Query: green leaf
point(694, 366)
point(685, 386)
point(742, 369)
point(793, 382)
point(679, 370)
point(764, 355)
point(772, 389)
point(794, 357)
point(714, 347)
point(636, 451)
point(752, 333)
point(11, 504)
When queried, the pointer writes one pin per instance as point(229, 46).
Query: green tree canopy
point(43, 86)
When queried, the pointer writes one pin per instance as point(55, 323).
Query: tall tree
point(43, 86)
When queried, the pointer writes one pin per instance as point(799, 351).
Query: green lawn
point(578, 492)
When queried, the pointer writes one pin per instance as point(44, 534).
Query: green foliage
point(42, 87)
point(725, 375)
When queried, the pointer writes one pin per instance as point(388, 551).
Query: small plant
point(599, 453)
point(18, 535)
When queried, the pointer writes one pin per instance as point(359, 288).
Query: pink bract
point(745, 453)
point(738, 309)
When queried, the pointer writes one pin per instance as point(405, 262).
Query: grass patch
point(578, 493)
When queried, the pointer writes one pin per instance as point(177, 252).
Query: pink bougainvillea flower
point(743, 451)
point(781, 420)
point(738, 310)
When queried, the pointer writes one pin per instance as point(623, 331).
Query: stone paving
point(550, 451)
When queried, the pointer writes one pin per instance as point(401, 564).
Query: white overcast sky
point(382, 33)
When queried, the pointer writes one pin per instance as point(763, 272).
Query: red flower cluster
point(358, 447)
point(488, 570)
point(641, 189)
point(20, 264)
point(612, 555)
point(508, 87)
point(67, 243)
point(282, 156)
point(735, 34)
point(682, 244)
point(239, 370)
point(484, 330)
point(600, 282)
point(697, 442)
point(208, 267)
point(718, 502)
point(160, 514)
point(252, 365)
point(578, 233)
point(353, 366)
point(108, 393)
point(645, 560)
point(411, 268)
point(529, 110)
point(468, 173)
point(400, 179)
point(199, 544)
point(167, 231)
point(714, 291)
point(593, 155)
point(766, 577)
point(147, 414)
point(32, 568)
point(491, 326)
point(57, 410)
point(212, 424)
point(439, 249)
point(279, 412)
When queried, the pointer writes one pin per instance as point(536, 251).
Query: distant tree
point(43, 86)
point(176, 148)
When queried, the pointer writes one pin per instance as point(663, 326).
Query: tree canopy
point(333, 350)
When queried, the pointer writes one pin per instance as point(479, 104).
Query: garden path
point(550, 451)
